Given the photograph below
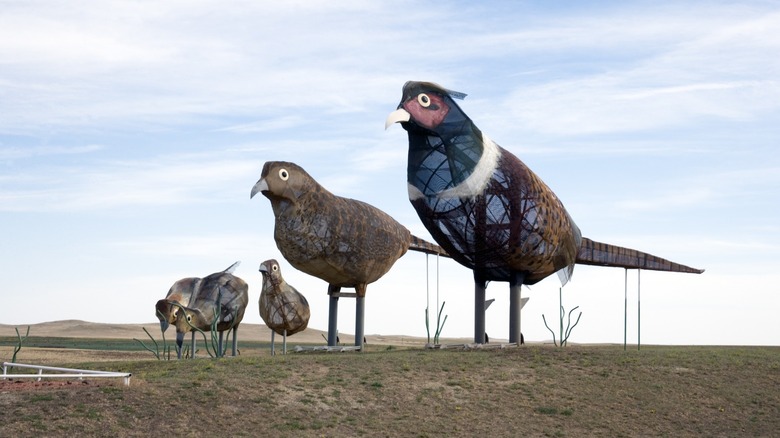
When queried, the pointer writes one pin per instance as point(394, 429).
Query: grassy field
point(536, 390)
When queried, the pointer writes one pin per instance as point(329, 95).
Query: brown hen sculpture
point(347, 243)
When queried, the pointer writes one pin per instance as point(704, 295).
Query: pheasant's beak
point(260, 186)
point(163, 325)
point(399, 115)
point(263, 269)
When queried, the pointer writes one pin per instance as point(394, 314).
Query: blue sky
point(131, 134)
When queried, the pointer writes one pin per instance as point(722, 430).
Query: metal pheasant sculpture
point(219, 298)
point(283, 309)
point(488, 210)
point(347, 243)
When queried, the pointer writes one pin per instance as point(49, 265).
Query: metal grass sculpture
point(564, 335)
point(166, 350)
point(20, 341)
point(439, 325)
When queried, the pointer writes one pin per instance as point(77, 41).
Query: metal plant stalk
point(564, 335)
point(439, 325)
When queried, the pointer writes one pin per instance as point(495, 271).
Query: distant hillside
point(252, 332)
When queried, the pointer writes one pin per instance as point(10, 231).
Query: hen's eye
point(283, 174)
point(275, 268)
point(424, 100)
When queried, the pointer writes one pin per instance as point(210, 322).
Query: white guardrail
point(66, 373)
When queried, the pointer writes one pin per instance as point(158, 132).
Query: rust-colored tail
point(426, 247)
point(604, 254)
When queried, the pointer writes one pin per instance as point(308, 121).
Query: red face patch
point(427, 109)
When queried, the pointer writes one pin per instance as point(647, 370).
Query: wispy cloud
point(669, 86)
point(271, 124)
point(13, 153)
point(182, 67)
point(721, 188)
point(215, 245)
point(683, 197)
point(160, 181)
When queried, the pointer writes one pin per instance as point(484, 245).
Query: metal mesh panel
point(506, 226)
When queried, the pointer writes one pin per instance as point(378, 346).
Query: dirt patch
point(33, 384)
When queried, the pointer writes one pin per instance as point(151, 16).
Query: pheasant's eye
point(275, 268)
point(283, 174)
point(424, 100)
point(189, 318)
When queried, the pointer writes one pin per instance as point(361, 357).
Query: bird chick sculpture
point(283, 309)
point(178, 295)
point(220, 298)
point(488, 210)
point(347, 243)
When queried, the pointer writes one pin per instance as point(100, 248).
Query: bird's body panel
point(179, 294)
point(182, 290)
point(515, 223)
point(340, 240)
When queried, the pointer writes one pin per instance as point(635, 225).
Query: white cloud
point(719, 70)
point(214, 246)
point(12, 153)
point(159, 181)
point(272, 124)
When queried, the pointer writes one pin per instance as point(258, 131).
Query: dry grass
point(388, 391)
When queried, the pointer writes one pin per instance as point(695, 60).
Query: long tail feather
point(232, 267)
point(604, 254)
point(426, 247)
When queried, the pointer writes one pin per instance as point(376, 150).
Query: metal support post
point(515, 306)
point(479, 310)
point(333, 316)
point(360, 319)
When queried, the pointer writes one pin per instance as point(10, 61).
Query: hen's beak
point(179, 339)
point(399, 115)
point(260, 186)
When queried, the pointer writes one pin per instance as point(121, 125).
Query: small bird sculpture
point(178, 295)
point(347, 243)
point(220, 298)
point(283, 309)
point(488, 210)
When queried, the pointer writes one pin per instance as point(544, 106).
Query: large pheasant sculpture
point(283, 309)
point(488, 210)
point(347, 243)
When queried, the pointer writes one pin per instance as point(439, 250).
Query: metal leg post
point(479, 310)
